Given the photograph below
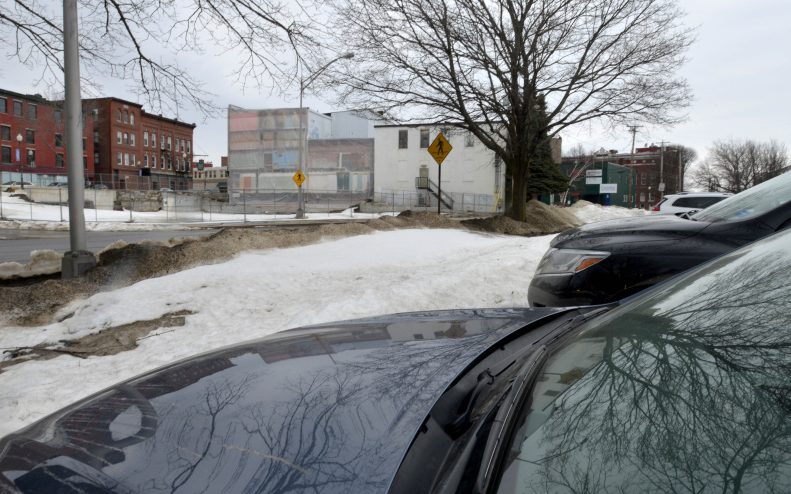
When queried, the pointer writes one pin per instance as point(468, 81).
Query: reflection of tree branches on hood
point(686, 395)
point(195, 445)
point(311, 440)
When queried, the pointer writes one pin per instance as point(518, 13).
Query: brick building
point(652, 166)
point(139, 150)
point(40, 154)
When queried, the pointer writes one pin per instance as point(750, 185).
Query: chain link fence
point(49, 202)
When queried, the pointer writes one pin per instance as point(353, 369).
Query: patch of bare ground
point(541, 219)
point(108, 341)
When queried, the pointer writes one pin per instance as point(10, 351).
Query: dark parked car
point(607, 261)
point(684, 388)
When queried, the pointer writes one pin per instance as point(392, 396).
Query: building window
point(84, 162)
point(154, 161)
point(189, 147)
point(59, 160)
point(132, 139)
point(31, 156)
point(469, 140)
point(58, 116)
point(96, 137)
point(95, 158)
point(30, 136)
point(153, 140)
point(119, 159)
point(423, 138)
point(126, 138)
point(145, 161)
point(134, 160)
point(642, 181)
point(126, 159)
point(126, 116)
point(32, 111)
point(402, 139)
point(117, 115)
point(132, 118)
point(145, 139)
point(5, 132)
point(170, 163)
point(18, 108)
point(119, 137)
point(84, 143)
point(6, 154)
point(58, 140)
point(162, 143)
point(3, 105)
point(170, 143)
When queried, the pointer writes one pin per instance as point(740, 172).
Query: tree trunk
point(519, 197)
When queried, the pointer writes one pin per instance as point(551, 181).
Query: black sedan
point(610, 260)
point(684, 388)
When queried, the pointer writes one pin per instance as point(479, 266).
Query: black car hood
point(638, 229)
point(329, 408)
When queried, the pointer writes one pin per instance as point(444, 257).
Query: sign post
point(439, 150)
point(299, 179)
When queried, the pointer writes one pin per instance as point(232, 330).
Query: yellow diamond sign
point(298, 178)
point(440, 148)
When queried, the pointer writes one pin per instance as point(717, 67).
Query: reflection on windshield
point(750, 203)
point(688, 390)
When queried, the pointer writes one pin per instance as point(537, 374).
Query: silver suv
point(685, 202)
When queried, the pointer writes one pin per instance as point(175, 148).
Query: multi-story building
point(136, 149)
point(654, 169)
point(123, 146)
point(473, 177)
point(265, 148)
point(32, 138)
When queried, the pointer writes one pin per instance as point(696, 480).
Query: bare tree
point(733, 166)
point(488, 66)
point(686, 157)
point(142, 40)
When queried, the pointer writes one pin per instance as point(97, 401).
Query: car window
point(699, 202)
point(750, 203)
point(687, 388)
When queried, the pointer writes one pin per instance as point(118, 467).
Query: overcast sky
point(739, 70)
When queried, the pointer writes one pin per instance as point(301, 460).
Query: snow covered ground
point(262, 292)
point(22, 214)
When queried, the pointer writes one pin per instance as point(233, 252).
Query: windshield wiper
point(523, 384)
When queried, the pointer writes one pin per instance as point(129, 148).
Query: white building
point(471, 174)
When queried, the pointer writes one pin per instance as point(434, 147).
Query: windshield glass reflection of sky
point(688, 390)
point(750, 203)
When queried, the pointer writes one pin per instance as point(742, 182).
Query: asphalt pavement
point(16, 245)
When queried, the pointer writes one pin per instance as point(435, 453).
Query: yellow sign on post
point(298, 178)
point(440, 148)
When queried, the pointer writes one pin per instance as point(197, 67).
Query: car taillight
point(655, 208)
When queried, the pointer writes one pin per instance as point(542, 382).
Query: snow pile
point(42, 262)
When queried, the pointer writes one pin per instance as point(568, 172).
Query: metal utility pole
point(662, 170)
point(79, 259)
point(633, 130)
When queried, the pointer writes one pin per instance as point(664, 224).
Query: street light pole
point(19, 158)
point(78, 259)
point(303, 135)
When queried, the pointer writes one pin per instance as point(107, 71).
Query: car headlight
point(569, 261)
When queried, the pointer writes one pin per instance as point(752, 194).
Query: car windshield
point(685, 390)
point(751, 202)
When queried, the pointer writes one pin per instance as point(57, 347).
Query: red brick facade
point(41, 124)
point(134, 146)
point(123, 146)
